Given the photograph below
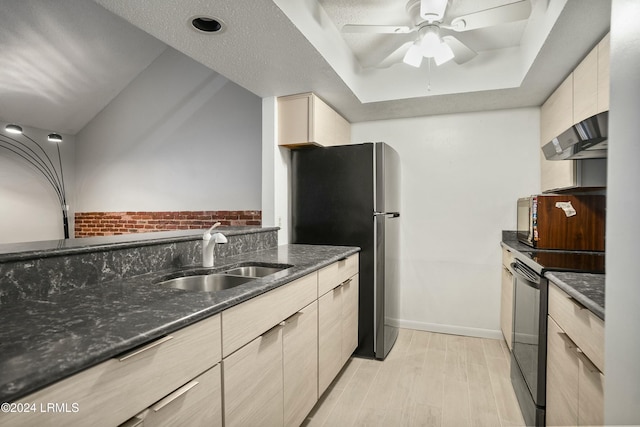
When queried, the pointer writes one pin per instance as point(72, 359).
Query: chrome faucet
point(209, 243)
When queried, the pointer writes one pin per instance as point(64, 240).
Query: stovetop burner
point(583, 262)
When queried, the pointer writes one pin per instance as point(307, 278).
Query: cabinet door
point(253, 382)
point(300, 361)
point(556, 116)
point(591, 396)
point(329, 337)
point(562, 378)
point(506, 306)
point(349, 317)
point(294, 120)
point(603, 74)
point(585, 87)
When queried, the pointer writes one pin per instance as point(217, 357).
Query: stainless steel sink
point(254, 271)
point(206, 283)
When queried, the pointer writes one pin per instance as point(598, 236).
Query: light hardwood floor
point(428, 379)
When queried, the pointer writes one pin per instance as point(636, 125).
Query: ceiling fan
point(427, 17)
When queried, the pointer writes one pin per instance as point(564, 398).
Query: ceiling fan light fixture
point(430, 43)
point(443, 54)
point(413, 56)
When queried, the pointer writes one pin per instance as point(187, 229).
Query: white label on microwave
point(567, 208)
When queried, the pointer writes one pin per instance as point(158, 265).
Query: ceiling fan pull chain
point(428, 74)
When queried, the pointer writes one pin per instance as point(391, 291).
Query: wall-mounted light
point(36, 156)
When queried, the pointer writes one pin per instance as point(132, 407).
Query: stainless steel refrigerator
point(350, 195)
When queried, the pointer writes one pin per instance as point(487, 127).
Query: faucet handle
point(217, 224)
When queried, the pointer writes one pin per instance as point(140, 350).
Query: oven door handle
point(525, 276)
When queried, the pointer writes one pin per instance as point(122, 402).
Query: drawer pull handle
point(578, 303)
point(568, 340)
point(173, 396)
point(346, 282)
point(585, 359)
point(342, 259)
point(290, 318)
point(145, 348)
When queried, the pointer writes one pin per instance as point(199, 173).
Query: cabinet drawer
point(329, 338)
point(582, 326)
point(336, 273)
point(349, 317)
point(244, 322)
point(116, 390)
point(507, 257)
point(197, 403)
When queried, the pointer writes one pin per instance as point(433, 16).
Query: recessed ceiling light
point(207, 24)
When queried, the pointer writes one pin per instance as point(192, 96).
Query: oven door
point(530, 329)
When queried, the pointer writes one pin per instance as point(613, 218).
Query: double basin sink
point(202, 280)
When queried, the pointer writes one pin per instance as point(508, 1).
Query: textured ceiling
point(76, 56)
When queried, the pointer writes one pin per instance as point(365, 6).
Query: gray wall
point(179, 137)
point(622, 325)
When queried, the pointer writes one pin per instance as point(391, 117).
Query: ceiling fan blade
point(462, 53)
point(377, 29)
point(386, 49)
point(432, 10)
point(498, 15)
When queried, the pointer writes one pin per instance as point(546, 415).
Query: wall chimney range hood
point(585, 140)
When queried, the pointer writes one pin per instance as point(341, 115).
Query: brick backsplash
point(114, 223)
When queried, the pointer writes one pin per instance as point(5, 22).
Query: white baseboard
point(446, 329)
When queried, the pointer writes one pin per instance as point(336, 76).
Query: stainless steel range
point(529, 355)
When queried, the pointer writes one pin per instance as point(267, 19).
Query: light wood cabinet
point(329, 337)
point(585, 88)
point(337, 322)
point(349, 317)
point(111, 392)
point(562, 378)
point(253, 382)
point(506, 298)
point(584, 93)
point(556, 116)
point(584, 327)
point(305, 119)
point(243, 322)
point(603, 74)
point(197, 403)
point(575, 385)
point(300, 362)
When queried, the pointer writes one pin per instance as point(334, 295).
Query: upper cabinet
point(584, 93)
point(305, 120)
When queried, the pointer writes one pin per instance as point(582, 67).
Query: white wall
point(461, 177)
point(29, 207)
point(276, 163)
point(622, 323)
point(179, 137)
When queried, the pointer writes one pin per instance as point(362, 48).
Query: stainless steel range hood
point(585, 140)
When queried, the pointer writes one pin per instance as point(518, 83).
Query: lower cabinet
point(300, 362)
point(337, 330)
point(575, 385)
point(506, 299)
point(197, 403)
point(329, 337)
point(253, 382)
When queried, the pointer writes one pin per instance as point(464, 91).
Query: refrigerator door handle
point(389, 214)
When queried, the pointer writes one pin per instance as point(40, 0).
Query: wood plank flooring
point(428, 379)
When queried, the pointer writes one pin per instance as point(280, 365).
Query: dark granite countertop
point(50, 248)
point(586, 288)
point(42, 341)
